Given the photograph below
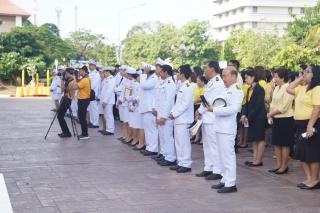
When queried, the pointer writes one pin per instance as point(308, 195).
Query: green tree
point(148, 41)
point(253, 49)
point(294, 55)
point(300, 27)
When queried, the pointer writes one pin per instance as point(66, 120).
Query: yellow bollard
point(37, 79)
point(48, 78)
point(22, 78)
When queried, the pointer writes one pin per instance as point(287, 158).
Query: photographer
point(84, 88)
point(68, 86)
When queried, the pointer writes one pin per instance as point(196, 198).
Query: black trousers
point(64, 106)
point(82, 115)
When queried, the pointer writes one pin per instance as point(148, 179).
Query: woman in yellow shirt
point(281, 116)
point(306, 116)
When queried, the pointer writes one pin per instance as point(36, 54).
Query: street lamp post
point(183, 52)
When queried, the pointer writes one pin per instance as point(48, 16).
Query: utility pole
point(76, 18)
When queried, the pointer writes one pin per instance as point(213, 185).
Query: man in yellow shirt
point(84, 87)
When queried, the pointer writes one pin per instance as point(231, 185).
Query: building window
point(242, 10)
point(290, 10)
point(234, 12)
point(302, 10)
point(255, 9)
point(254, 25)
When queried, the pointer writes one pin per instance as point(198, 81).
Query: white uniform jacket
point(95, 81)
point(166, 96)
point(148, 92)
point(214, 89)
point(183, 110)
point(107, 95)
point(226, 117)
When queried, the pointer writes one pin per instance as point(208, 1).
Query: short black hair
point(252, 73)
point(268, 76)
point(117, 66)
point(260, 73)
point(215, 65)
point(185, 70)
point(235, 62)
point(70, 70)
point(283, 74)
point(85, 68)
point(168, 69)
point(198, 71)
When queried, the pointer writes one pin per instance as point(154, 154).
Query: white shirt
point(148, 92)
point(107, 95)
point(226, 117)
point(56, 85)
point(214, 89)
point(183, 108)
point(95, 80)
point(166, 96)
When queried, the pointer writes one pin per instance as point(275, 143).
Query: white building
point(266, 16)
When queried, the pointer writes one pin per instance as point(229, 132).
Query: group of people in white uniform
point(156, 110)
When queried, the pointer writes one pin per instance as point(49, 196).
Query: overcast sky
point(101, 16)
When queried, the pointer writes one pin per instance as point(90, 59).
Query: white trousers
point(108, 115)
point(210, 149)
point(94, 113)
point(227, 157)
point(183, 145)
point(166, 141)
point(150, 132)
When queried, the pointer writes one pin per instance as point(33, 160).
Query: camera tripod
point(73, 123)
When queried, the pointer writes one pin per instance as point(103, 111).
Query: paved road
point(103, 175)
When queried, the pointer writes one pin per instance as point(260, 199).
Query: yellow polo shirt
point(282, 101)
point(304, 102)
point(84, 88)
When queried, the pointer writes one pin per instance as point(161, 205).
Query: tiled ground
point(103, 175)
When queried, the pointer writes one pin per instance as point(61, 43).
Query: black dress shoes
point(203, 174)
point(316, 186)
point(255, 165)
point(148, 153)
point(139, 149)
point(279, 172)
point(247, 163)
point(107, 133)
point(214, 176)
point(299, 185)
point(183, 169)
point(166, 163)
point(273, 170)
point(174, 168)
point(217, 186)
point(157, 157)
point(228, 189)
point(64, 135)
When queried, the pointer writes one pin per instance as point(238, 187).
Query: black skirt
point(257, 130)
point(307, 150)
point(283, 132)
